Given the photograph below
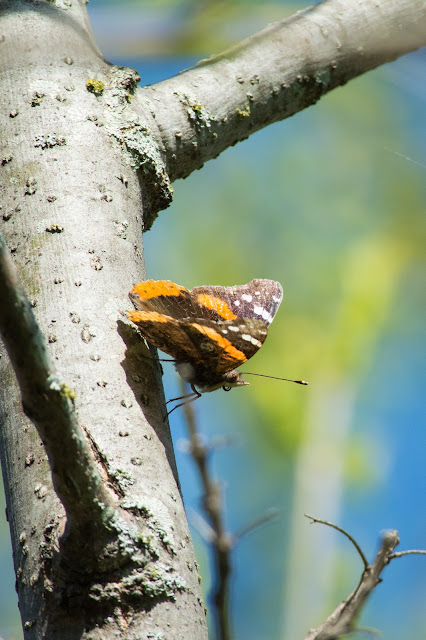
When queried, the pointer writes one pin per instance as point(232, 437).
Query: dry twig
point(342, 621)
point(220, 540)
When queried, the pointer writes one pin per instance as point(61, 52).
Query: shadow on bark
point(143, 374)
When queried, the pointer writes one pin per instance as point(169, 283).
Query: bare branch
point(410, 552)
point(345, 533)
point(215, 531)
point(342, 620)
point(272, 75)
point(270, 514)
point(49, 403)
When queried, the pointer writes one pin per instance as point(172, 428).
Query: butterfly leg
point(189, 397)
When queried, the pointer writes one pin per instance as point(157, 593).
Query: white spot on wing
point(247, 297)
point(232, 328)
point(260, 311)
point(254, 341)
point(267, 316)
point(237, 303)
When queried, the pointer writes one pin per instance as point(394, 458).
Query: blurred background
point(331, 203)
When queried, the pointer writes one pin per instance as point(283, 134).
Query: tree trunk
point(72, 217)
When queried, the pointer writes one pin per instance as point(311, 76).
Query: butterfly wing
point(164, 297)
point(218, 328)
point(259, 299)
point(225, 345)
point(172, 339)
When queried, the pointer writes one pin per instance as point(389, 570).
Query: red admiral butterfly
point(209, 331)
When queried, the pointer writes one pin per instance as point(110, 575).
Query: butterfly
point(209, 331)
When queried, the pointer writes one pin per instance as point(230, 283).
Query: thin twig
point(219, 539)
point(202, 526)
point(341, 622)
point(368, 631)
point(345, 533)
point(409, 552)
point(269, 515)
point(49, 403)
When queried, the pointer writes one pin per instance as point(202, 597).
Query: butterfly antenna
point(262, 375)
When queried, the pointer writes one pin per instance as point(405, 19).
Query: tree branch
point(409, 552)
point(345, 533)
point(49, 403)
point(341, 622)
point(270, 76)
point(220, 541)
point(214, 531)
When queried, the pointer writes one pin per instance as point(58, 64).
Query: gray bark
point(72, 217)
point(87, 161)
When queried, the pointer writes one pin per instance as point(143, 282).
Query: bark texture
point(72, 217)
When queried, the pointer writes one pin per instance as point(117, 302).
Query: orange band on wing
point(227, 346)
point(154, 288)
point(144, 316)
point(216, 304)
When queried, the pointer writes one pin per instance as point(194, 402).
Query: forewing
point(165, 333)
point(226, 345)
point(259, 299)
point(164, 297)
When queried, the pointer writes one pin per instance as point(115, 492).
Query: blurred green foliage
point(320, 209)
point(175, 27)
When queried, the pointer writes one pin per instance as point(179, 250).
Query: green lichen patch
point(127, 79)
point(159, 525)
point(122, 479)
point(136, 139)
point(156, 584)
point(198, 115)
point(137, 508)
point(95, 86)
point(67, 393)
point(244, 113)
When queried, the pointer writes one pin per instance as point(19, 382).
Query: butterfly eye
point(226, 388)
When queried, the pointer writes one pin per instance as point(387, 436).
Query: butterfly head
point(226, 380)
